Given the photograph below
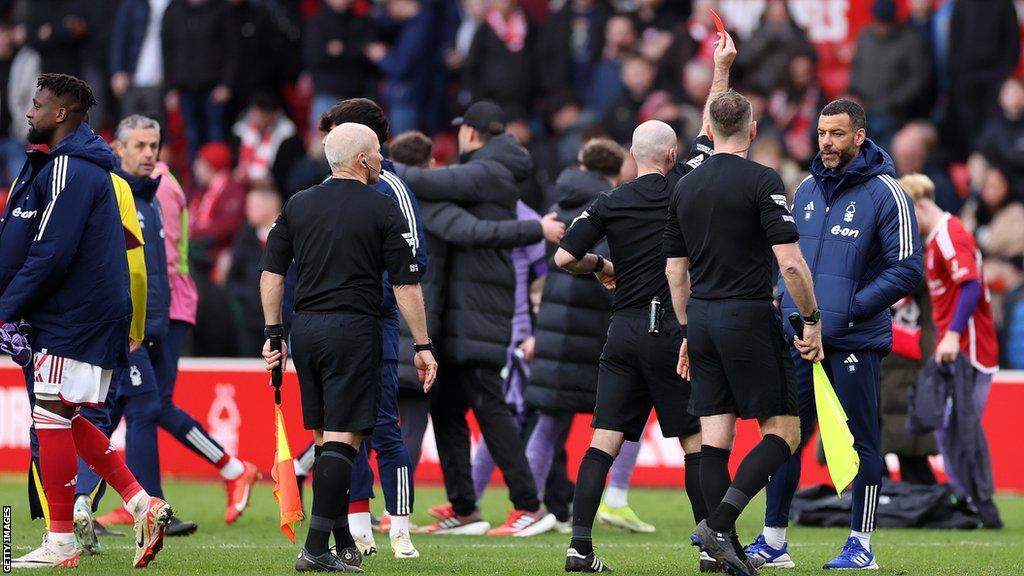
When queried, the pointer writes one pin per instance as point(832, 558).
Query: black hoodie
point(573, 317)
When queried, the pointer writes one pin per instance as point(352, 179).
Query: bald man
point(343, 235)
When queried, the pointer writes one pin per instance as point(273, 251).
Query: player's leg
point(541, 444)
point(90, 487)
point(414, 409)
point(984, 490)
point(558, 491)
point(483, 468)
point(357, 520)
point(855, 376)
point(393, 464)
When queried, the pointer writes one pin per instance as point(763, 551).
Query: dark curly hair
point(359, 111)
point(602, 156)
point(69, 89)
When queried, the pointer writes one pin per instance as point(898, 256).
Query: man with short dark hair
point(412, 148)
point(63, 270)
point(859, 233)
point(728, 221)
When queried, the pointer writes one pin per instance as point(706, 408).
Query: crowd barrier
point(233, 399)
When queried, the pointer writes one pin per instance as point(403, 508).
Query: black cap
point(485, 116)
point(884, 10)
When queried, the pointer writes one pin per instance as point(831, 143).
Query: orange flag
point(286, 486)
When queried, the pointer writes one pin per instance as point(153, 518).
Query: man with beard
point(859, 235)
point(63, 270)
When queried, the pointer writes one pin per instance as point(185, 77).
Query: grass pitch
point(255, 546)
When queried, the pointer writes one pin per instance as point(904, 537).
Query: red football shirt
point(952, 258)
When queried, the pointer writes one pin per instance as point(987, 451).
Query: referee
point(343, 235)
point(726, 218)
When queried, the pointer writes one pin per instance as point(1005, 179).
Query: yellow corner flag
point(286, 486)
point(843, 461)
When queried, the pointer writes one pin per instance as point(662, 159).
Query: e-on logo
point(843, 231)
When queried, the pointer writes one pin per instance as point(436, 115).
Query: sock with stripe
point(58, 465)
point(95, 448)
point(751, 477)
point(330, 495)
point(589, 485)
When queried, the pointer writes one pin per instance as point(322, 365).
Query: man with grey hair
point(637, 366)
point(343, 235)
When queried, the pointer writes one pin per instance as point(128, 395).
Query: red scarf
point(512, 31)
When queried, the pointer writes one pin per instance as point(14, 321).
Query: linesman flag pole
point(843, 461)
point(286, 486)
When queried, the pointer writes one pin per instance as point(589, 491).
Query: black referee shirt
point(632, 217)
point(725, 217)
point(342, 235)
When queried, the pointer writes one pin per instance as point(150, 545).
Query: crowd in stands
point(240, 84)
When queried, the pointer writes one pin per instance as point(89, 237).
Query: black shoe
point(179, 527)
point(989, 515)
point(102, 530)
point(709, 565)
point(723, 548)
point(325, 562)
point(576, 562)
point(351, 556)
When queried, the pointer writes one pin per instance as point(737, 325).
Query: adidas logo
point(851, 359)
point(810, 205)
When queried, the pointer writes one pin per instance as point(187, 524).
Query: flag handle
point(275, 374)
point(797, 323)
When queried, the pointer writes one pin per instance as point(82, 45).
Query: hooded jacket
point(859, 236)
point(62, 254)
point(573, 317)
point(480, 294)
point(158, 292)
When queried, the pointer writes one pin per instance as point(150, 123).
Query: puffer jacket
point(573, 319)
point(480, 293)
point(158, 290)
point(859, 236)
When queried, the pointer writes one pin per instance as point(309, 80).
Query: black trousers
point(479, 389)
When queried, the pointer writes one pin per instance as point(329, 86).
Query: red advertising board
point(233, 400)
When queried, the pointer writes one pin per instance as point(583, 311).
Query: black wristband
point(428, 347)
point(273, 331)
point(682, 328)
point(600, 263)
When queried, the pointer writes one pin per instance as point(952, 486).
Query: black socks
point(714, 475)
point(331, 481)
point(589, 487)
point(752, 476)
point(693, 490)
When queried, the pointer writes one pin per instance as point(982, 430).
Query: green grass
point(254, 545)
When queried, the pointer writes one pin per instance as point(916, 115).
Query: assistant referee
point(343, 235)
point(726, 219)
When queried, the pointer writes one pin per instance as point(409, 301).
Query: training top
point(632, 217)
point(343, 235)
point(725, 216)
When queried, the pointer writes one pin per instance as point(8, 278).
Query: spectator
point(501, 63)
point(58, 31)
point(696, 85)
point(21, 86)
point(993, 217)
point(768, 151)
point(199, 40)
point(262, 205)
point(411, 66)
point(268, 35)
point(1002, 139)
point(984, 47)
point(412, 149)
point(1012, 332)
point(923, 21)
point(472, 15)
point(12, 149)
point(268, 143)
point(334, 51)
point(95, 60)
point(571, 44)
point(913, 150)
point(136, 58)
point(765, 61)
point(889, 71)
point(605, 83)
point(217, 206)
point(638, 76)
point(793, 108)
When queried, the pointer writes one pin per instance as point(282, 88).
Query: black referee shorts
point(337, 357)
point(637, 372)
point(739, 359)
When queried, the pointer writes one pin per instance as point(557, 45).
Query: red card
point(718, 22)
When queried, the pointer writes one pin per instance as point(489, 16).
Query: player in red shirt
point(962, 310)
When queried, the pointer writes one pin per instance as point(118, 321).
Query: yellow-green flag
point(843, 461)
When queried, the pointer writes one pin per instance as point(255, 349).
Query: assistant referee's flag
point(843, 461)
point(286, 486)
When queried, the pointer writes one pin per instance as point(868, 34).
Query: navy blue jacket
point(62, 253)
point(859, 235)
point(130, 25)
point(151, 219)
point(393, 186)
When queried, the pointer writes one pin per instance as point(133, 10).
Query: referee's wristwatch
point(273, 331)
point(813, 319)
point(428, 347)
